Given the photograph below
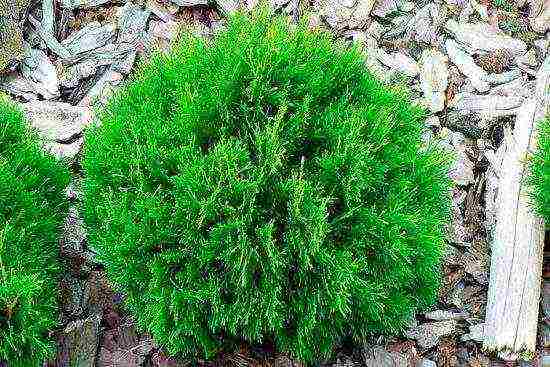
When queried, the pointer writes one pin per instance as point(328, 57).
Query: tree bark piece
point(48, 16)
point(467, 66)
point(399, 61)
point(82, 4)
point(486, 105)
point(92, 36)
point(38, 67)
point(48, 38)
point(539, 15)
point(516, 261)
point(190, 2)
point(482, 36)
point(434, 78)
point(59, 124)
point(79, 342)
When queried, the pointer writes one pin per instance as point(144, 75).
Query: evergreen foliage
point(263, 185)
point(539, 178)
point(31, 208)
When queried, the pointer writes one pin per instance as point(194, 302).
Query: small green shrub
point(539, 179)
point(31, 208)
point(263, 185)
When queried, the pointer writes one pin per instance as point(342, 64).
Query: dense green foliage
point(31, 209)
point(539, 178)
point(263, 185)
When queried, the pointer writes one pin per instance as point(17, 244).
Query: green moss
point(539, 179)
point(516, 27)
point(11, 36)
point(507, 5)
point(265, 186)
point(32, 206)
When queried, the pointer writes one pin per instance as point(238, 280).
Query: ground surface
point(472, 63)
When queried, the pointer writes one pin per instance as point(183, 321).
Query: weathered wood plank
point(516, 260)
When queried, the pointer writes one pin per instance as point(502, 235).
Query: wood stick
point(517, 249)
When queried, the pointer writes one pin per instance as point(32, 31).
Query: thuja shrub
point(264, 186)
point(539, 178)
point(32, 206)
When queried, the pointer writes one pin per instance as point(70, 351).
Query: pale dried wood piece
point(48, 18)
point(132, 24)
point(487, 106)
point(228, 6)
point(37, 67)
point(491, 188)
point(399, 62)
point(159, 10)
point(21, 87)
point(385, 7)
point(83, 46)
point(407, 6)
point(86, 64)
point(466, 11)
point(442, 315)
point(375, 30)
point(92, 36)
point(428, 334)
point(71, 76)
point(57, 121)
point(520, 87)
point(502, 78)
point(484, 37)
point(339, 14)
point(82, 4)
point(361, 14)
point(370, 46)
point(190, 2)
point(516, 260)
point(456, 3)
point(467, 66)
point(541, 24)
point(397, 27)
point(434, 78)
point(132, 37)
point(480, 9)
point(49, 39)
point(462, 170)
point(540, 15)
point(104, 55)
point(475, 334)
point(542, 93)
point(424, 25)
point(59, 124)
point(103, 88)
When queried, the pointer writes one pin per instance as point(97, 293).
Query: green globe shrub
point(264, 186)
point(32, 206)
point(539, 179)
